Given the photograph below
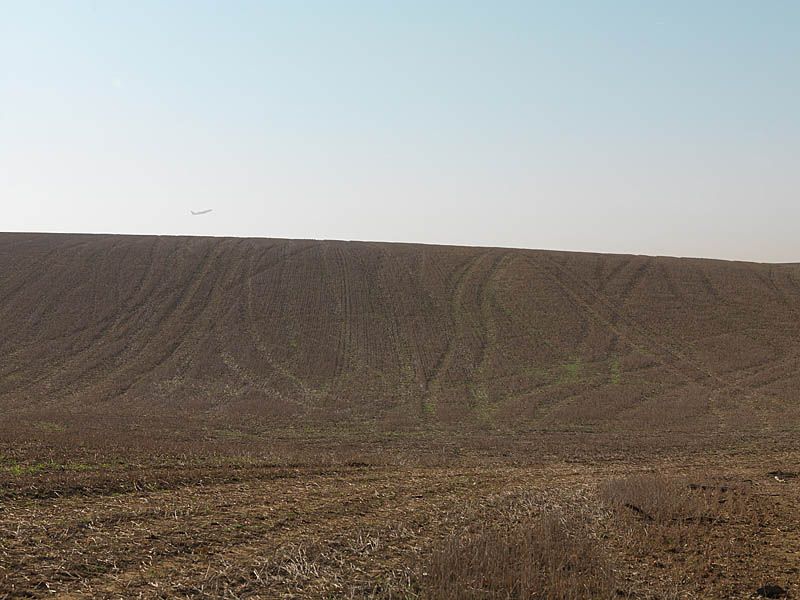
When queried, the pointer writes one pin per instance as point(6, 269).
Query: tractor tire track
point(460, 328)
point(636, 335)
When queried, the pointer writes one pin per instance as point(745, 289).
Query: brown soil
point(203, 417)
point(312, 532)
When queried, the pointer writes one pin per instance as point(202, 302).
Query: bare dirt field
point(716, 524)
point(242, 418)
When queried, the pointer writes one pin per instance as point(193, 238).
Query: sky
point(660, 127)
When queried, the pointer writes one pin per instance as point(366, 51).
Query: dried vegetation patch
point(557, 530)
point(553, 554)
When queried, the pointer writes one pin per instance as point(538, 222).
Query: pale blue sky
point(643, 127)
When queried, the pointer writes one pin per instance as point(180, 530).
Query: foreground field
point(471, 523)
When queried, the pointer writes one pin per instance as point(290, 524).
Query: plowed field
point(215, 417)
point(279, 329)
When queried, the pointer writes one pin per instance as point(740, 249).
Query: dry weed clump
point(550, 555)
point(663, 500)
point(669, 517)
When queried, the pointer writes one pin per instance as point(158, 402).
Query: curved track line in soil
point(630, 285)
point(418, 356)
point(285, 258)
point(124, 312)
point(411, 367)
point(460, 329)
point(612, 274)
point(258, 341)
point(787, 298)
point(76, 362)
point(634, 334)
point(176, 321)
point(42, 272)
point(145, 285)
point(488, 324)
point(344, 345)
point(793, 277)
point(441, 363)
point(768, 284)
point(647, 337)
point(708, 285)
point(119, 329)
point(672, 285)
point(749, 378)
point(176, 310)
point(592, 382)
point(45, 306)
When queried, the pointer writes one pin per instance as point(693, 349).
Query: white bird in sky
point(201, 212)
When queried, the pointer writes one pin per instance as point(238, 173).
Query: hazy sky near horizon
point(669, 127)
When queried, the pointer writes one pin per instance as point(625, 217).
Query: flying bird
point(201, 212)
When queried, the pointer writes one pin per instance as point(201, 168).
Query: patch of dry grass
point(672, 501)
point(529, 547)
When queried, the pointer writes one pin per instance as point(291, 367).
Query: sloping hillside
point(288, 330)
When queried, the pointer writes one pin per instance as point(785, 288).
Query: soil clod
point(771, 591)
